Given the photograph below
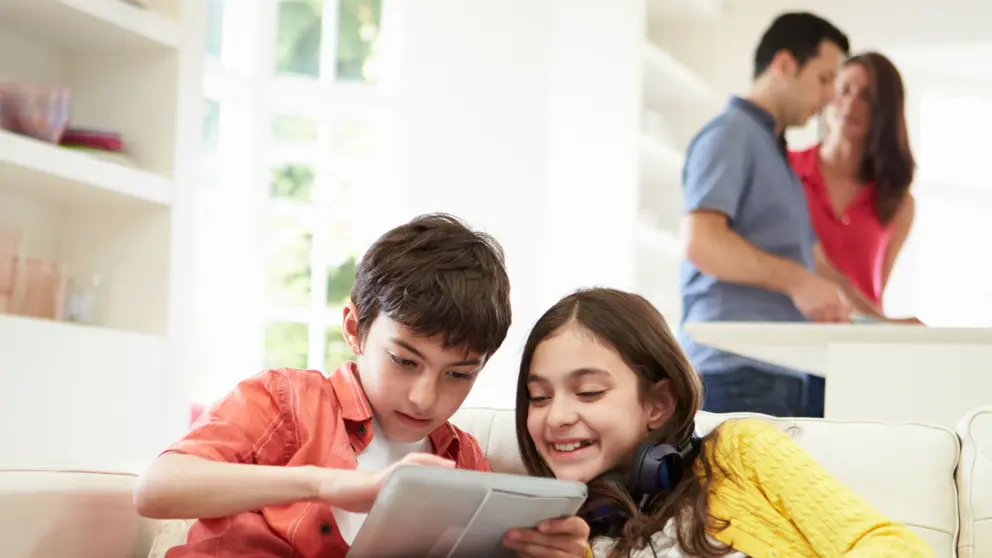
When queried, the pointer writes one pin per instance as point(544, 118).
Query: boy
point(290, 461)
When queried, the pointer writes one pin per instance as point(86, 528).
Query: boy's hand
point(552, 538)
point(355, 491)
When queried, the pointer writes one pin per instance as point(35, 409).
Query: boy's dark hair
point(800, 34)
point(436, 276)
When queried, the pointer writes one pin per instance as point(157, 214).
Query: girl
point(602, 378)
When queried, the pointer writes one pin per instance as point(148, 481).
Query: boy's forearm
point(179, 486)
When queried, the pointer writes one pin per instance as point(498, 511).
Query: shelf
point(90, 25)
point(668, 81)
point(60, 175)
point(667, 11)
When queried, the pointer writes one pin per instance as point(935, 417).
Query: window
point(946, 279)
point(296, 132)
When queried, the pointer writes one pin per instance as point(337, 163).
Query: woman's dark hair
point(888, 159)
point(630, 325)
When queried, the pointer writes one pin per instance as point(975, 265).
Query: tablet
point(455, 513)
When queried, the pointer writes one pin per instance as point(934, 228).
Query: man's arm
point(826, 269)
point(716, 250)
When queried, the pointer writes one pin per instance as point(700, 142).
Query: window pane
point(286, 345)
point(336, 351)
point(298, 37)
point(215, 27)
point(292, 181)
point(211, 137)
point(952, 147)
point(358, 36)
point(342, 262)
point(355, 155)
point(293, 130)
point(289, 245)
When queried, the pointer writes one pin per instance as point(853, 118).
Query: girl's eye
point(404, 362)
point(537, 399)
point(591, 394)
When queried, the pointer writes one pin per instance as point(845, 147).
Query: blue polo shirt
point(737, 165)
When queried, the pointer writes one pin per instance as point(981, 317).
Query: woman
point(857, 180)
point(602, 377)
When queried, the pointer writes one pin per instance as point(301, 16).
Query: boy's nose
point(423, 394)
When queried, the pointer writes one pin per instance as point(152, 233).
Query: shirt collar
point(356, 410)
point(763, 117)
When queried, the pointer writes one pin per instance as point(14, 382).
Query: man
point(749, 241)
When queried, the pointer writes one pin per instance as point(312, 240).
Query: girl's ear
point(659, 405)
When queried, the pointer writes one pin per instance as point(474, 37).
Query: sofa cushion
point(906, 470)
point(975, 484)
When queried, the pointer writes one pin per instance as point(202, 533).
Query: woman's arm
point(835, 520)
point(902, 223)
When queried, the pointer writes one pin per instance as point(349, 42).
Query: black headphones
point(656, 469)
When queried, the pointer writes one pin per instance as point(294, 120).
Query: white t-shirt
point(664, 544)
point(380, 453)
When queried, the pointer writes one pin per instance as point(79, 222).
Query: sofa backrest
point(70, 514)
point(905, 470)
point(974, 478)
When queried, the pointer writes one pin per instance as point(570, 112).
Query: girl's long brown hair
point(888, 160)
point(631, 326)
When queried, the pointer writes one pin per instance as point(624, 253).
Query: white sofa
point(937, 481)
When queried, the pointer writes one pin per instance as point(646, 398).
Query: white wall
point(506, 121)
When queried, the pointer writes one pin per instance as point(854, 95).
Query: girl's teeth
point(569, 447)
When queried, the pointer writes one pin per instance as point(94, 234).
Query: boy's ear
point(349, 328)
point(659, 404)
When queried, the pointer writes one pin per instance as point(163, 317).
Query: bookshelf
point(112, 390)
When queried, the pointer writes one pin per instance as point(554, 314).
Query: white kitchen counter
point(885, 372)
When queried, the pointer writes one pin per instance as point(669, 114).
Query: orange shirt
point(291, 418)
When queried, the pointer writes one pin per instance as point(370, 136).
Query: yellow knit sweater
point(781, 502)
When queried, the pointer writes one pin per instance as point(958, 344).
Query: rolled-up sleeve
point(717, 169)
point(252, 424)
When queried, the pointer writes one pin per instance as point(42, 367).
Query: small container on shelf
point(37, 111)
point(79, 300)
point(10, 238)
point(44, 289)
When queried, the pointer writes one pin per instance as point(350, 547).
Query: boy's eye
point(461, 375)
point(404, 362)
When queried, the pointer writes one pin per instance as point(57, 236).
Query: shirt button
point(325, 528)
point(361, 429)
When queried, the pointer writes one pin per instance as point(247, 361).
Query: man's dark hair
point(800, 34)
point(437, 277)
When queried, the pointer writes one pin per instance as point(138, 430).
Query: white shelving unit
point(110, 394)
point(668, 87)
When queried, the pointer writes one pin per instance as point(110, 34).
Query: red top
point(288, 418)
point(855, 241)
